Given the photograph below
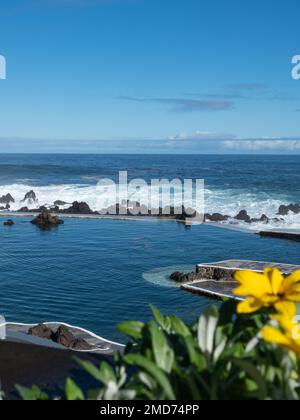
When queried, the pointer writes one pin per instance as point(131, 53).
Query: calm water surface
point(91, 273)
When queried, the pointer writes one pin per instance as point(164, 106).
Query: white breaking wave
point(228, 201)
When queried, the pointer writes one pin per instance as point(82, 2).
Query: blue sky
point(149, 76)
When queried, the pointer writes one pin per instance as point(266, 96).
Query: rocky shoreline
point(135, 209)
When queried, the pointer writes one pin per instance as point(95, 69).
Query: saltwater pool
point(95, 273)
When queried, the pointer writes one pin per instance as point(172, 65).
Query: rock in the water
point(9, 223)
point(216, 217)
point(7, 207)
point(204, 273)
point(243, 216)
point(23, 210)
point(284, 210)
point(63, 336)
point(263, 219)
point(79, 208)
point(184, 277)
point(6, 199)
point(80, 344)
point(30, 197)
point(41, 331)
point(59, 203)
point(45, 220)
point(66, 338)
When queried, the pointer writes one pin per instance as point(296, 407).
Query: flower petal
point(241, 291)
point(276, 280)
point(294, 297)
point(271, 335)
point(257, 284)
point(292, 279)
point(249, 306)
point(286, 308)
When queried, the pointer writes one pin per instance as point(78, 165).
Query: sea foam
point(226, 201)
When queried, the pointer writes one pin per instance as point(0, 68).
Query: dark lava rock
point(284, 210)
point(66, 338)
point(243, 216)
point(41, 331)
point(80, 344)
point(216, 217)
point(6, 199)
point(30, 197)
point(263, 219)
point(54, 209)
point(9, 223)
point(45, 220)
point(23, 210)
point(186, 213)
point(63, 336)
point(208, 273)
point(7, 207)
point(79, 208)
point(184, 277)
point(59, 203)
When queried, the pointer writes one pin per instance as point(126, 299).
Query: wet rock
point(79, 208)
point(63, 336)
point(9, 223)
point(284, 210)
point(216, 217)
point(6, 199)
point(204, 273)
point(41, 331)
point(263, 219)
point(30, 197)
point(184, 277)
point(59, 203)
point(277, 220)
point(23, 210)
point(7, 207)
point(243, 216)
point(80, 344)
point(45, 220)
point(66, 338)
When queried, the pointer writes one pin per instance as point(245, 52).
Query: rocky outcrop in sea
point(135, 209)
point(46, 220)
point(62, 336)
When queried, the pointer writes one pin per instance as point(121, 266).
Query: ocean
point(96, 273)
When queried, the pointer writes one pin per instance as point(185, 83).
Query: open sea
point(96, 273)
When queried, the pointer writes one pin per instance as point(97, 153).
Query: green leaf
point(132, 328)
point(163, 354)
point(196, 358)
point(179, 327)
point(31, 394)
point(72, 391)
point(104, 374)
point(158, 316)
point(147, 365)
point(207, 328)
point(254, 374)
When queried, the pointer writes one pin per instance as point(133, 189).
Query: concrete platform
point(222, 287)
point(288, 236)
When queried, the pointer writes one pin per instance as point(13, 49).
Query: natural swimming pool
point(95, 273)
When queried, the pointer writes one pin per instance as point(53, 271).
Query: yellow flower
point(268, 289)
point(289, 339)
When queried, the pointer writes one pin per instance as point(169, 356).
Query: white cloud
point(263, 144)
point(201, 135)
